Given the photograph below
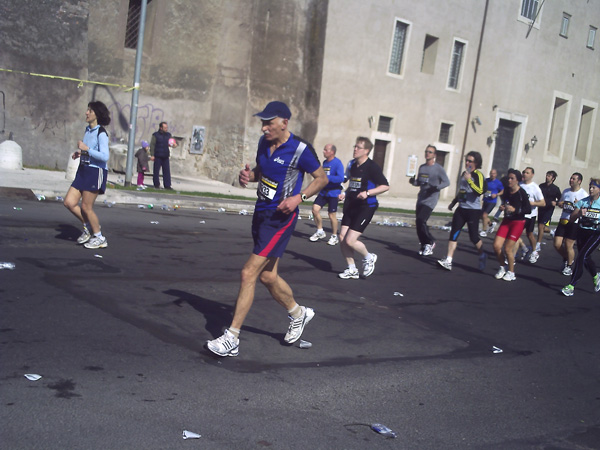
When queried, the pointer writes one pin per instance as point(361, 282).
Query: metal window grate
point(133, 23)
point(398, 47)
point(529, 8)
point(385, 124)
point(445, 129)
point(457, 55)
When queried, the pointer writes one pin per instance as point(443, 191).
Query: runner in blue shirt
point(334, 169)
point(587, 211)
point(282, 160)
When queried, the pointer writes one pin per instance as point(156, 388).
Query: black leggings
point(471, 218)
point(587, 243)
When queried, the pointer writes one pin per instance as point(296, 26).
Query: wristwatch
point(303, 196)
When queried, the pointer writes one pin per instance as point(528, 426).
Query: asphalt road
point(119, 342)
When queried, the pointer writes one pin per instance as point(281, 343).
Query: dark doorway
point(505, 143)
point(379, 152)
point(440, 158)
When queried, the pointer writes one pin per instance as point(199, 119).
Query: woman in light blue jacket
point(90, 180)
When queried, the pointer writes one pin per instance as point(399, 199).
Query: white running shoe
point(509, 276)
point(534, 257)
point(369, 265)
point(226, 345)
point(297, 325)
point(597, 282)
point(538, 247)
point(445, 264)
point(568, 290)
point(491, 228)
point(319, 234)
point(333, 240)
point(96, 242)
point(567, 271)
point(349, 274)
point(482, 234)
point(428, 250)
point(85, 236)
point(500, 274)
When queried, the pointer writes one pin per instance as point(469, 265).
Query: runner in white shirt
point(566, 232)
point(536, 198)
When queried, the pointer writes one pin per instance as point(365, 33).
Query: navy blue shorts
point(271, 231)
point(487, 207)
point(90, 179)
point(331, 202)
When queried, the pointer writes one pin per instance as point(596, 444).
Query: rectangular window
point(585, 130)
point(429, 54)
point(398, 46)
point(564, 26)
point(558, 126)
point(529, 9)
point(133, 23)
point(445, 133)
point(385, 124)
point(591, 37)
point(456, 64)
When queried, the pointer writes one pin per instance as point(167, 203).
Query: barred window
point(398, 45)
point(133, 23)
point(456, 64)
point(385, 124)
point(529, 8)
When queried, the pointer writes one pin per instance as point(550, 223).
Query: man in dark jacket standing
point(159, 148)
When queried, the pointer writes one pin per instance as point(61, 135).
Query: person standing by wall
point(142, 164)
point(431, 179)
point(159, 149)
point(334, 169)
point(90, 180)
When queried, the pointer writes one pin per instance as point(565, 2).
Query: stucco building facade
point(461, 74)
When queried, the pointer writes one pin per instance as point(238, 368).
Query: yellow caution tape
point(127, 88)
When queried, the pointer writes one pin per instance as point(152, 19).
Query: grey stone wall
point(212, 63)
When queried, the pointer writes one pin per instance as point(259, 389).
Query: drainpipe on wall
point(468, 121)
point(135, 95)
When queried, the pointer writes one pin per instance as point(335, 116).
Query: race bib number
point(462, 194)
point(568, 206)
point(355, 184)
point(592, 214)
point(267, 188)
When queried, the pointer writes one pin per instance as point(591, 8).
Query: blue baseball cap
point(275, 109)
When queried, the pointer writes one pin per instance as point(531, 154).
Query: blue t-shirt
point(591, 219)
point(282, 172)
point(97, 141)
point(494, 186)
point(335, 174)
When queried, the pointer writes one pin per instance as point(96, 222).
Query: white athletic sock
point(296, 311)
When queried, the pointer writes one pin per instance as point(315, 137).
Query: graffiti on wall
point(148, 119)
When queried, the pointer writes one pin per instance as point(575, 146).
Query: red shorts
point(511, 229)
